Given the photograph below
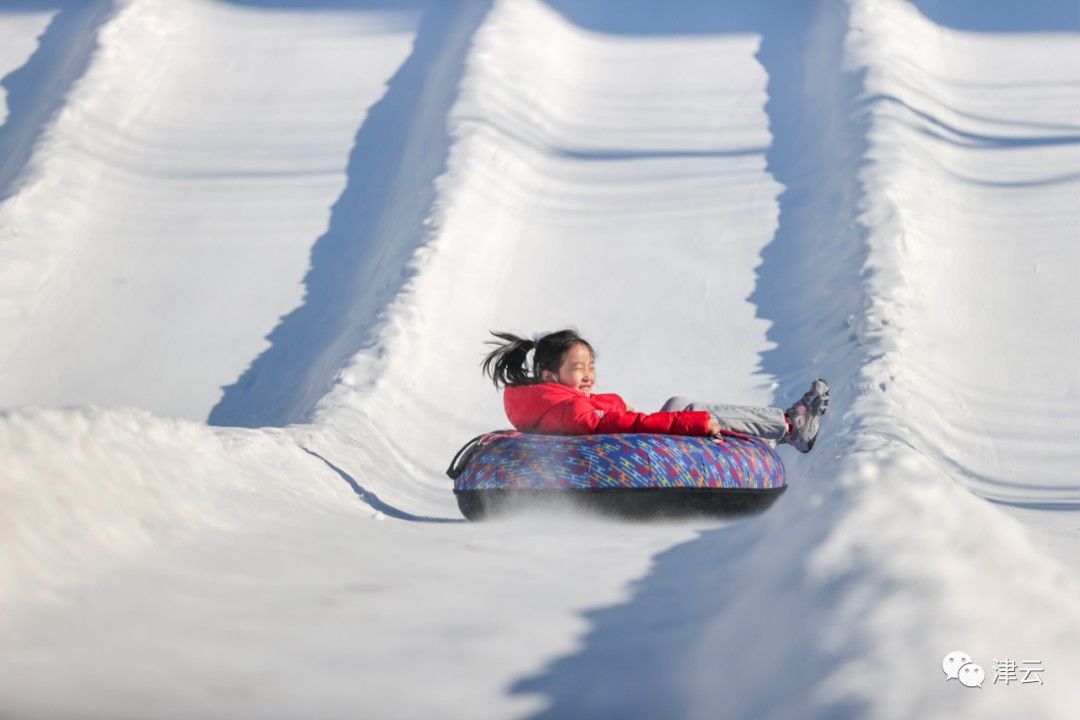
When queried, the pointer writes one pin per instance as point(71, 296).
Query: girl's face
point(577, 370)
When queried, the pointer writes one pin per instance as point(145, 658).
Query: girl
point(555, 398)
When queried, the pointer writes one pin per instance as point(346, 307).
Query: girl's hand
point(714, 427)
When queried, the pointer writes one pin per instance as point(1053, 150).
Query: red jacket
point(554, 409)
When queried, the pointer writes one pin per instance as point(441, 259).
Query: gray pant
point(763, 422)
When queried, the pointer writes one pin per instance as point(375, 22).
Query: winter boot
point(804, 417)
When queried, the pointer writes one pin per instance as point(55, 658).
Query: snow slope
point(727, 200)
point(148, 170)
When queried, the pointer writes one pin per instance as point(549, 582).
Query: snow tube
point(635, 475)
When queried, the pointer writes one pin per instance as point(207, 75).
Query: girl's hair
point(506, 364)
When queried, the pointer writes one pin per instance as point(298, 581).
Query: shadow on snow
point(374, 501)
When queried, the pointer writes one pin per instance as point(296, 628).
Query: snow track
point(726, 201)
point(190, 136)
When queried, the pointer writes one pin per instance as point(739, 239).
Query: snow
point(249, 251)
point(151, 169)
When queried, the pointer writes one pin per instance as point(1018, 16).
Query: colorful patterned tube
point(634, 475)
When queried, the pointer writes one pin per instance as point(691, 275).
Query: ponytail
point(507, 364)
